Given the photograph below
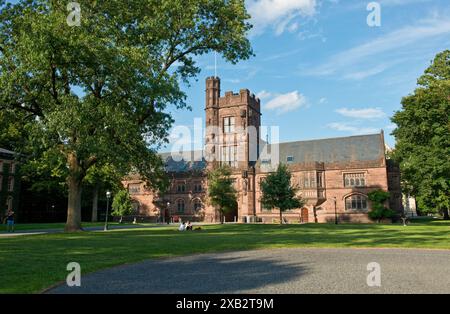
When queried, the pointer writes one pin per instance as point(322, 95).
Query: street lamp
point(168, 213)
point(335, 211)
point(108, 196)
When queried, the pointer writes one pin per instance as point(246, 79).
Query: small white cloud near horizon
point(283, 103)
point(354, 129)
point(363, 113)
point(278, 14)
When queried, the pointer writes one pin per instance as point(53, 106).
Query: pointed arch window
point(356, 202)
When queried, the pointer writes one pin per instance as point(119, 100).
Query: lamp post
point(168, 212)
point(335, 211)
point(108, 196)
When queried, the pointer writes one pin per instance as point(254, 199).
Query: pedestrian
point(10, 221)
point(182, 227)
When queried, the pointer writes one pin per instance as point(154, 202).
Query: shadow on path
point(221, 273)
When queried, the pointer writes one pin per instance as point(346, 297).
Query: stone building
point(334, 175)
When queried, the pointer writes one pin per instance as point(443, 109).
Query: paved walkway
point(277, 271)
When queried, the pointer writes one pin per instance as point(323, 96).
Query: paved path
point(277, 271)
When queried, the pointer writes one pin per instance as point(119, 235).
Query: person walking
point(10, 221)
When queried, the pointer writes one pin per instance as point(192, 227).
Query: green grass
point(32, 263)
point(55, 226)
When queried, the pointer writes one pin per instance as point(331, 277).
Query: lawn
point(59, 226)
point(33, 263)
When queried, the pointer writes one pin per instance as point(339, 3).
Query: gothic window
point(197, 187)
point(228, 125)
point(180, 206)
point(309, 180)
point(356, 202)
point(354, 179)
point(181, 188)
point(229, 155)
point(134, 188)
point(197, 205)
point(11, 184)
point(320, 179)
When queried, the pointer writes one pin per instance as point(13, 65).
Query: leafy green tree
point(122, 205)
point(98, 93)
point(102, 178)
point(278, 192)
point(221, 191)
point(423, 138)
point(379, 211)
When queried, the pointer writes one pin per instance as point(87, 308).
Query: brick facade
point(334, 175)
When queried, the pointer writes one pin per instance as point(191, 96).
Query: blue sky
point(321, 71)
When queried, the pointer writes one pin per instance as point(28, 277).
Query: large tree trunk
point(95, 203)
point(281, 217)
point(74, 204)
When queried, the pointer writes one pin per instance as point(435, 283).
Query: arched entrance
point(229, 216)
point(305, 215)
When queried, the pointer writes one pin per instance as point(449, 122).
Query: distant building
point(9, 182)
point(334, 174)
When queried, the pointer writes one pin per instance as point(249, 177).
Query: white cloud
point(286, 102)
point(323, 100)
point(364, 113)
point(347, 127)
point(407, 37)
point(263, 95)
point(359, 75)
point(278, 14)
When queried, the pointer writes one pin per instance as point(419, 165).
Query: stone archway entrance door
point(305, 217)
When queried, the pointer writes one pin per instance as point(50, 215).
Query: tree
point(98, 93)
point(423, 138)
point(278, 192)
point(106, 177)
point(122, 205)
point(379, 211)
point(221, 191)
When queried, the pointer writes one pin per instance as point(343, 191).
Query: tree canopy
point(98, 93)
point(279, 193)
point(221, 191)
point(423, 138)
point(122, 205)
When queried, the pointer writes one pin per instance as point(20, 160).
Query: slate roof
point(333, 150)
point(330, 150)
point(189, 161)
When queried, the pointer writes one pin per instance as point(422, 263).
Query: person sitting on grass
point(10, 221)
point(182, 227)
point(189, 226)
